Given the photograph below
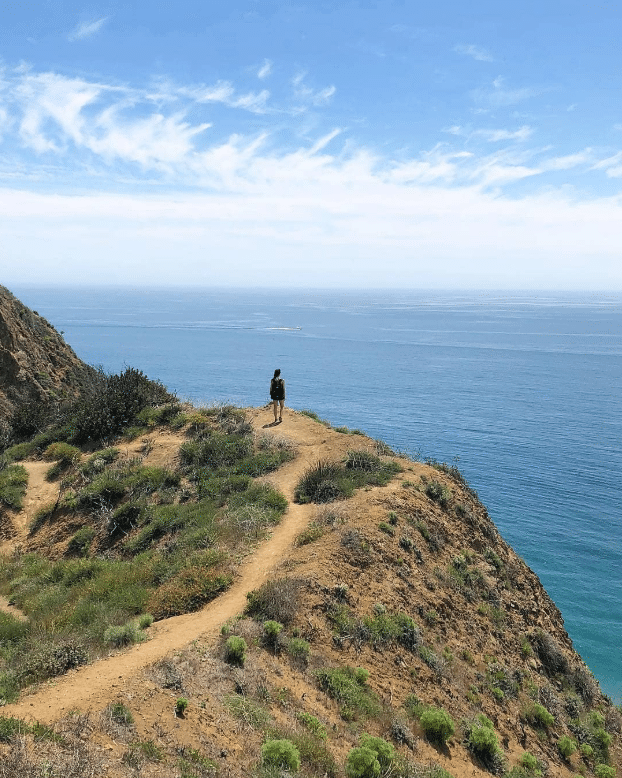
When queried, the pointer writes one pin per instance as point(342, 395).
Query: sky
point(263, 143)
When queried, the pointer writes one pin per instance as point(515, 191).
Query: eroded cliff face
point(35, 362)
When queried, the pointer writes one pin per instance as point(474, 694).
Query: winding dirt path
point(93, 686)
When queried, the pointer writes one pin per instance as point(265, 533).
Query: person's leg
point(281, 413)
point(274, 406)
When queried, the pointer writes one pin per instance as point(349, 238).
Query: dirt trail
point(39, 493)
point(92, 687)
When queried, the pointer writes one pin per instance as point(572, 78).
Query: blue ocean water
point(522, 390)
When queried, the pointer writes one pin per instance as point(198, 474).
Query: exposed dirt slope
point(393, 549)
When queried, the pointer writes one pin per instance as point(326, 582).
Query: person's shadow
point(273, 424)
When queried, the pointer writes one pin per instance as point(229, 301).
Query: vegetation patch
point(438, 726)
point(348, 686)
point(380, 629)
point(328, 481)
point(13, 482)
point(275, 600)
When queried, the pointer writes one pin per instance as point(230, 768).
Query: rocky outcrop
point(35, 362)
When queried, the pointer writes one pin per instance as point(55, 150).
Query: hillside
point(190, 592)
point(409, 580)
point(36, 365)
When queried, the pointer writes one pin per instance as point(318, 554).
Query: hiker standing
point(277, 394)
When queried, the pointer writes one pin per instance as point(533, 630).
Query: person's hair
point(277, 373)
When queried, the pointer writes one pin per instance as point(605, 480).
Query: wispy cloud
point(495, 136)
point(611, 165)
point(481, 55)
point(490, 135)
point(87, 29)
point(264, 192)
point(501, 95)
point(310, 96)
point(265, 70)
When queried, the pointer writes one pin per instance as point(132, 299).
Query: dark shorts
point(280, 398)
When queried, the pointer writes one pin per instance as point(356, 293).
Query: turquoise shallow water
point(524, 389)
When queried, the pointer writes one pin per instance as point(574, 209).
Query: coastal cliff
point(203, 584)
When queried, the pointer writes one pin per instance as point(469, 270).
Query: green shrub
point(313, 724)
point(112, 402)
point(566, 746)
point(235, 650)
point(19, 451)
point(549, 653)
point(11, 727)
point(437, 725)
point(126, 635)
point(247, 710)
point(10, 686)
point(530, 763)
point(153, 416)
point(12, 630)
point(604, 771)
point(180, 706)
point(62, 452)
point(538, 716)
point(120, 714)
point(298, 649)
point(324, 482)
point(281, 753)
point(80, 543)
point(188, 590)
point(272, 630)
point(215, 450)
point(586, 750)
point(50, 660)
point(362, 763)
point(13, 481)
point(439, 493)
point(363, 460)
point(385, 753)
point(145, 620)
point(348, 686)
point(482, 741)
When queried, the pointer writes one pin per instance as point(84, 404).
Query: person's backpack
point(277, 387)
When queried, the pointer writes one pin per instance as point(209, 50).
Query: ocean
point(521, 390)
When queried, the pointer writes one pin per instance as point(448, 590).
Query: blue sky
point(316, 144)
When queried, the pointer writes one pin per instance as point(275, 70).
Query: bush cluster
point(111, 403)
point(328, 481)
point(13, 481)
point(482, 741)
point(348, 686)
point(438, 726)
point(281, 753)
point(275, 600)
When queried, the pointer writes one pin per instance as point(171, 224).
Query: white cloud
point(224, 92)
point(332, 203)
point(474, 51)
point(265, 70)
point(307, 95)
point(494, 136)
point(568, 161)
point(611, 165)
point(87, 29)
